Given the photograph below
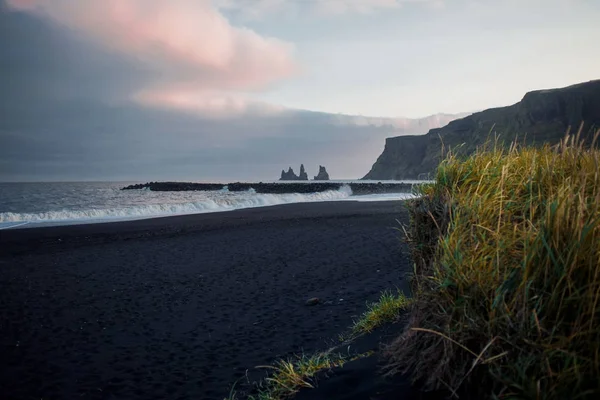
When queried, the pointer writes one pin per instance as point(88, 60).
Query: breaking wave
point(211, 202)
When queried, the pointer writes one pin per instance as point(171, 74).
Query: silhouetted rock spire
point(290, 175)
point(303, 175)
point(322, 175)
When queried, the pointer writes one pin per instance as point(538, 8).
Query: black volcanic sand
point(364, 378)
point(182, 307)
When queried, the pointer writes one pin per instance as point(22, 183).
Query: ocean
point(26, 205)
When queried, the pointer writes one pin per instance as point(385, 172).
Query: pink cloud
point(189, 42)
point(214, 104)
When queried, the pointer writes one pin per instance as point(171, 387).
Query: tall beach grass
point(506, 244)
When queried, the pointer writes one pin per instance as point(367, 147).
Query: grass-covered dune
point(506, 290)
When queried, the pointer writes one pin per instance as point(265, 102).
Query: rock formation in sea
point(358, 188)
point(303, 175)
point(322, 175)
point(290, 175)
point(542, 116)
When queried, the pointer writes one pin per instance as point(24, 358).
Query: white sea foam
point(6, 225)
point(382, 197)
point(207, 202)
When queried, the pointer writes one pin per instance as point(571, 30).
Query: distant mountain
point(542, 116)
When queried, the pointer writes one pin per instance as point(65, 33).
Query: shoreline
point(184, 223)
point(183, 306)
point(41, 219)
point(54, 237)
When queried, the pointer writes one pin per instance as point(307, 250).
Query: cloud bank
point(197, 59)
point(90, 92)
point(260, 8)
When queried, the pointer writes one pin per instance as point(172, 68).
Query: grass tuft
point(507, 275)
point(387, 309)
point(291, 375)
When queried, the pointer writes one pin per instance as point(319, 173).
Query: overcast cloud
point(215, 90)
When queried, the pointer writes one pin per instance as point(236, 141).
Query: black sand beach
point(182, 307)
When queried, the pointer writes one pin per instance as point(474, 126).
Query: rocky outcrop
point(289, 175)
point(303, 175)
point(542, 116)
point(357, 188)
point(175, 186)
point(322, 175)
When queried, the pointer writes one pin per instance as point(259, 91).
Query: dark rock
point(290, 175)
point(322, 175)
point(358, 188)
point(303, 175)
point(175, 186)
point(313, 301)
point(542, 116)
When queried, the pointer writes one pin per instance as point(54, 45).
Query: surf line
point(14, 226)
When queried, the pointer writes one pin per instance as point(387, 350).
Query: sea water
point(52, 203)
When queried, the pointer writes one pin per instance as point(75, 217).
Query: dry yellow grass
point(291, 375)
point(507, 283)
point(387, 309)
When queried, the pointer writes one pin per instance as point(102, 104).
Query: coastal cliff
point(542, 116)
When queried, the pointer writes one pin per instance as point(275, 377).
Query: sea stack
point(303, 175)
point(322, 175)
point(290, 175)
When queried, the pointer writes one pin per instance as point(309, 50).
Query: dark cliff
point(542, 116)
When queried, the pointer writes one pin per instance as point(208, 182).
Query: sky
point(240, 89)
